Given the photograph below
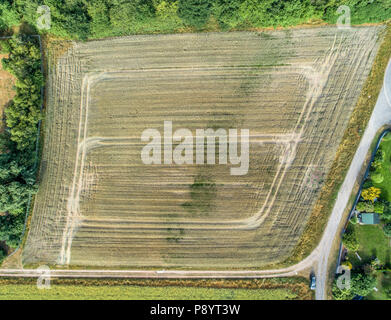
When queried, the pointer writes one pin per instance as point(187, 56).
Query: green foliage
point(166, 10)
point(367, 184)
point(339, 294)
point(386, 215)
point(194, 13)
point(227, 13)
point(365, 206)
point(3, 254)
point(18, 142)
point(11, 228)
point(354, 220)
point(362, 11)
point(376, 165)
point(379, 207)
point(29, 291)
point(350, 241)
point(82, 19)
point(17, 182)
point(9, 17)
point(266, 13)
point(377, 177)
point(380, 155)
point(387, 229)
point(23, 115)
point(98, 11)
point(387, 137)
point(125, 14)
point(361, 284)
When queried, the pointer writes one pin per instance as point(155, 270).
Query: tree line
point(18, 141)
point(83, 19)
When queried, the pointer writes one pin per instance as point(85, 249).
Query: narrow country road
point(318, 259)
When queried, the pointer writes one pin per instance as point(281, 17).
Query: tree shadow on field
point(202, 193)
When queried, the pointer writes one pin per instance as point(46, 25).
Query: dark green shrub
point(387, 229)
point(194, 13)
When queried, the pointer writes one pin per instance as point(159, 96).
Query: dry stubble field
point(99, 205)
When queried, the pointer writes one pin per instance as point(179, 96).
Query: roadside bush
point(350, 241)
point(367, 184)
point(354, 220)
point(365, 206)
point(380, 155)
point(377, 164)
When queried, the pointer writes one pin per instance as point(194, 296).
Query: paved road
point(318, 259)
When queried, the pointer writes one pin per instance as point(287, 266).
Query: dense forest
point(83, 19)
point(18, 141)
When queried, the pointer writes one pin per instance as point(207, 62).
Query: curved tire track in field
point(317, 81)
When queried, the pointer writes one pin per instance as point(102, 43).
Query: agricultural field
point(99, 205)
point(62, 292)
point(152, 289)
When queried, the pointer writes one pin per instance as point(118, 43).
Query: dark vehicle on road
point(312, 282)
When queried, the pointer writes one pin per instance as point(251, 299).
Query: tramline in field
point(100, 205)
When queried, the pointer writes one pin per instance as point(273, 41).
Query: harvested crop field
point(100, 205)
